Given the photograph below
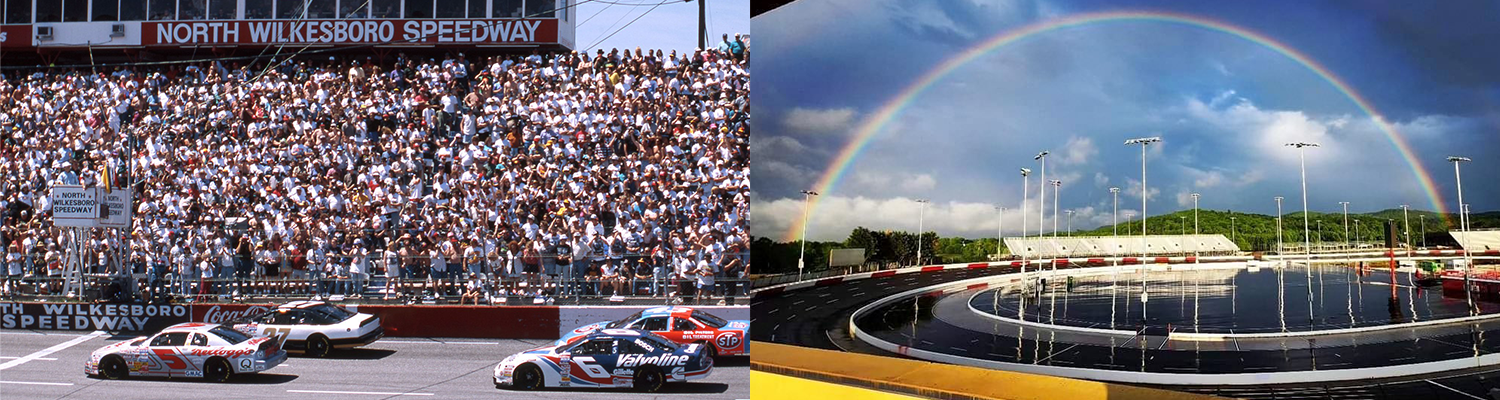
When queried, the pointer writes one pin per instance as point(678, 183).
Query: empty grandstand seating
point(1087, 246)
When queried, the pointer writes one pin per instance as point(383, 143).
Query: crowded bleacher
point(563, 175)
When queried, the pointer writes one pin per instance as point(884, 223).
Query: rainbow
point(875, 123)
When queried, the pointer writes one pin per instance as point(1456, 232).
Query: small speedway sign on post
point(75, 206)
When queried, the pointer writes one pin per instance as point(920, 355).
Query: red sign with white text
point(15, 36)
point(368, 31)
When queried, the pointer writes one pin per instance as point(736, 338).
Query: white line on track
point(50, 350)
point(36, 383)
point(369, 393)
point(38, 358)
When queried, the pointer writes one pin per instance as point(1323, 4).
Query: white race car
point(194, 350)
point(313, 328)
point(607, 358)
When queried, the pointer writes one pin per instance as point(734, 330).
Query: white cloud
point(836, 216)
point(907, 183)
point(808, 120)
point(1100, 179)
point(1078, 150)
point(1133, 189)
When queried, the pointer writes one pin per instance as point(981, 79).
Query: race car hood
point(580, 332)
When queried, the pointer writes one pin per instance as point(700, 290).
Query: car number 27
point(278, 334)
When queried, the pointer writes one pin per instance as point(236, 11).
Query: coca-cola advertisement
point(225, 313)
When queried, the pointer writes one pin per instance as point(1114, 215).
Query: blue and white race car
point(608, 358)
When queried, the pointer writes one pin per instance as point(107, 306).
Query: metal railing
point(416, 282)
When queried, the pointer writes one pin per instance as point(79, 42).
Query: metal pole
point(1306, 235)
point(920, 216)
point(999, 232)
point(1347, 243)
point(1115, 192)
point(1143, 142)
point(1279, 247)
point(806, 197)
point(1070, 222)
point(1025, 185)
point(1041, 212)
point(702, 24)
point(1463, 227)
point(1056, 186)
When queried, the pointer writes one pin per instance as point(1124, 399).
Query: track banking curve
point(817, 314)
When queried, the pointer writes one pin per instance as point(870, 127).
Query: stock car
point(608, 358)
point(196, 350)
point(683, 325)
point(313, 328)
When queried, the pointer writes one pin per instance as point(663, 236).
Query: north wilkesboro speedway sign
point(88, 317)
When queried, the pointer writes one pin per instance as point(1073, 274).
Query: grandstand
point(1477, 241)
point(1085, 246)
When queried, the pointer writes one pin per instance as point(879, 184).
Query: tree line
point(1252, 232)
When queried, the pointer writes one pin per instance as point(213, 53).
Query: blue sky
point(671, 26)
point(1224, 106)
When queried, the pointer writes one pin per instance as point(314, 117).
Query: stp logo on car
point(728, 340)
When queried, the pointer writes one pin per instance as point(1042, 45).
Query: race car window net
point(709, 319)
point(624, 321)
point(682, 324)
point(594, 347)
point(200, 340)
point(651, 324)
point(331, 312)
point(170, 339)
point(230, 335)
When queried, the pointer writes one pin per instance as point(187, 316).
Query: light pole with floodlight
point(1406, 226)
point(1025, 185)
point(1279, 250)
point(1144, 141)
point(1233, 230)
point(1115, 193)
point(1306, 235)
point(1347, 242)
point(1041, 212)
point(1423, 219)
point(1056, 186)
point(1463, 227)
point(1070, 222)
point(806, 197)
point(920, 216)
point(999, 231)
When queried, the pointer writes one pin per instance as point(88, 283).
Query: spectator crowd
point(549, 174)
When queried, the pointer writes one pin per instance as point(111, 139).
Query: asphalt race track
point(817, 317)
point(403, 368)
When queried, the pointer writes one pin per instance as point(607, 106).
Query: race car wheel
point(217, 370)
point(113, 367)
point(713, 351)
point(527, 377)
point(318, 346)
point(649, 379)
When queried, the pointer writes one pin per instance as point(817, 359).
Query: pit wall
point(1157, 378)
point(510, 322)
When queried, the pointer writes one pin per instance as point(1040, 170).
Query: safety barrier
point(1158, 378)
point(515, 322)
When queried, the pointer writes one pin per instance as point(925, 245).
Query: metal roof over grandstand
point(1082, 246)
point(1475, 240)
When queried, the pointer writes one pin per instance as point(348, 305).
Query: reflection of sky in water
point(1233, 300)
